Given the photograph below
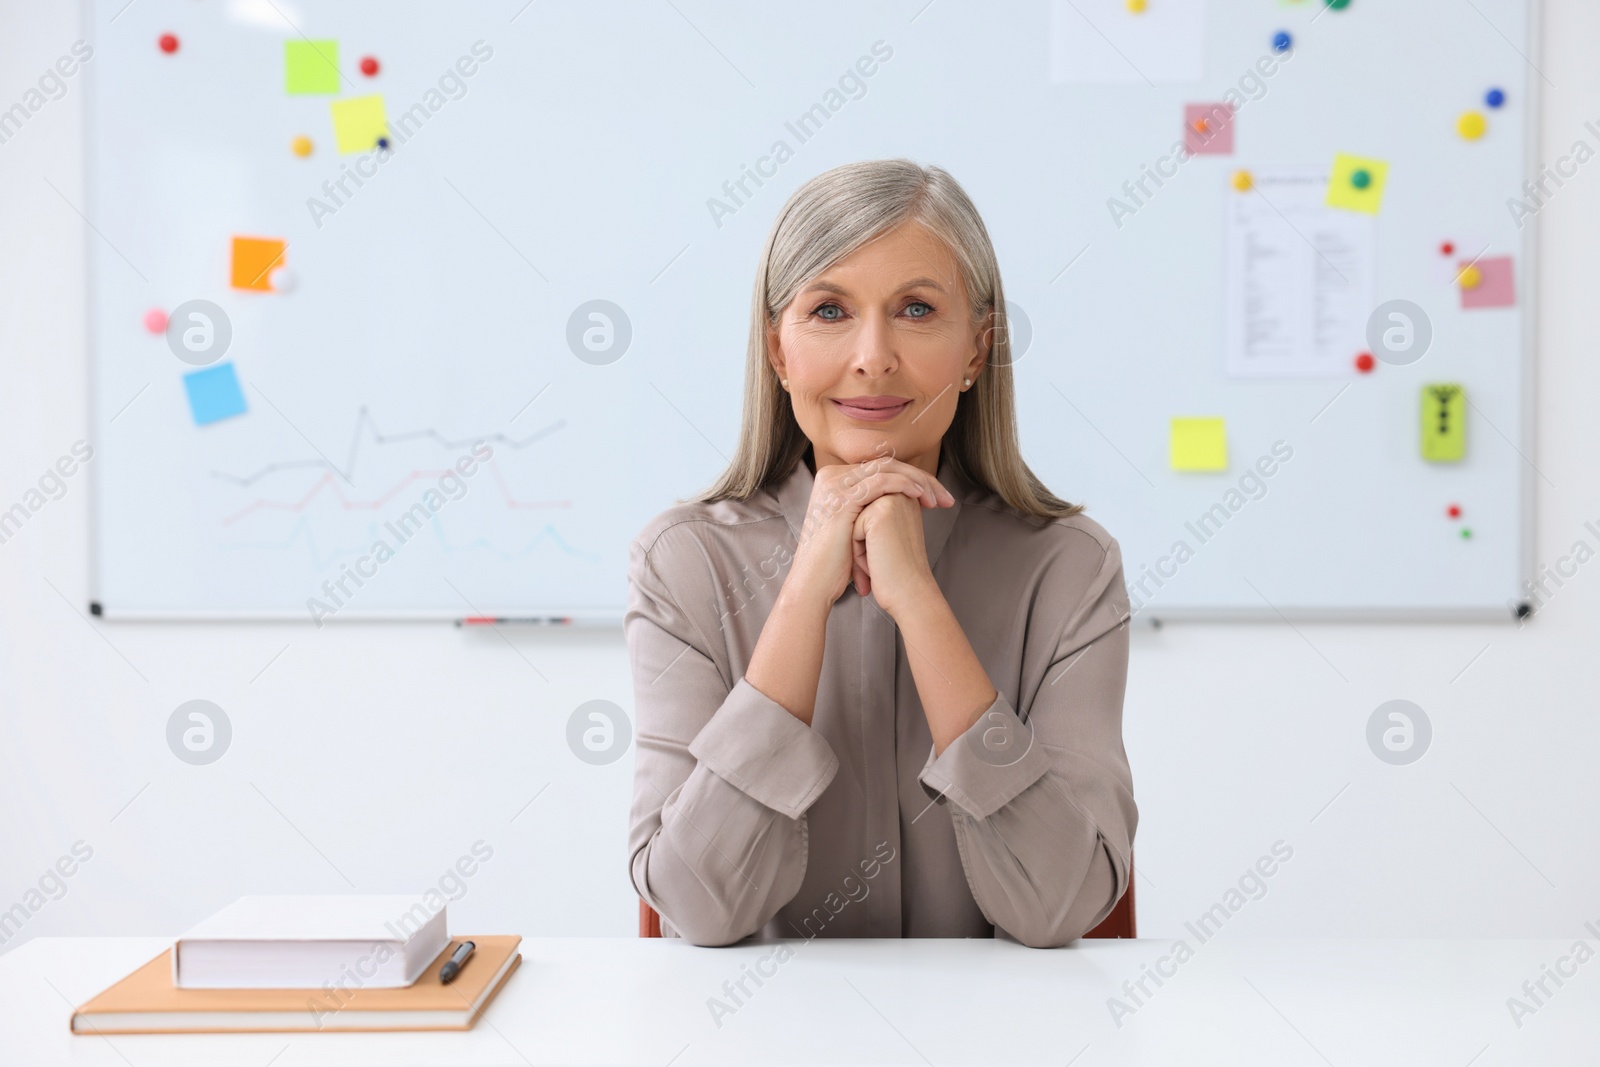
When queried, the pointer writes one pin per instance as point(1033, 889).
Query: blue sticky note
point(213, 394)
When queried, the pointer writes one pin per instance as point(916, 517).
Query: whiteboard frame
point(1527, 437)
point(1153, 618)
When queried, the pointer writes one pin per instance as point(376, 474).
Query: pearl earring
point(785, 383)
point(965, 382)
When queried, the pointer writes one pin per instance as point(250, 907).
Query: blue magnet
point(1281, 41)
point(1494, 97)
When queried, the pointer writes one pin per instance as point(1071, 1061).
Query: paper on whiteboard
point(1097, 41)
point(1298, 277)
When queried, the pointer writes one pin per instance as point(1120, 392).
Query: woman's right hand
point(826, 559)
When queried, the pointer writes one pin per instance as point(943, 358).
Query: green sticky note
point(1444, 422)
point(1356, 183)
point(1199, 444)
point(310, 67)
point(358, 122)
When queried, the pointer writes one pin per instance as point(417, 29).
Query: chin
point(861, 445)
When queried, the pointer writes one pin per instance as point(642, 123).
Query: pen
point(452, 966)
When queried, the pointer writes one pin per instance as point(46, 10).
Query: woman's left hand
point(890, 549)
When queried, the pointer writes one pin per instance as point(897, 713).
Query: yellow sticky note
point(1357, 183)
point(254, 260)
point(1199, 444)
point(1444, 422)
point(310, 67)
point(358, 123)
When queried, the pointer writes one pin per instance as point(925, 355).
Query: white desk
point(619, 1001)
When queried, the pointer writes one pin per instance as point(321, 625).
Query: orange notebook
point(146, 1002)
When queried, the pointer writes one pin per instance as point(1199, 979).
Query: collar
point(793, 493)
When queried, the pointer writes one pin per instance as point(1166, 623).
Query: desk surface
point(622, 1001)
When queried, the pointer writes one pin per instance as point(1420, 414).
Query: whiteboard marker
point(495, 620)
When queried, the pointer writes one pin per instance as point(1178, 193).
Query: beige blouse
point(746, 821)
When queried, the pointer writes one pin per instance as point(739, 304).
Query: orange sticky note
point(254, 260)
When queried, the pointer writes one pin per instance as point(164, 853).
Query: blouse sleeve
point(723, 775)
point(1042, 801)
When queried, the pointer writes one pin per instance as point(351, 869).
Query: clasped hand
point(864, 525)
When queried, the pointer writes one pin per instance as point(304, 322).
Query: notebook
point(301, 942)
point(146, 1002)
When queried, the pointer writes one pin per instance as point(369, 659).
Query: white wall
point(1240, 735)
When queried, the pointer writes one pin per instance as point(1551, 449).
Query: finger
point(887, 464)
point(869, 469)
point(919, 486)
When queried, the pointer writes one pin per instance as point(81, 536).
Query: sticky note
point(1199, 444)
point(254, 259)
point(1444, 422)
point(358, 122)
point(214, 394)
point(1208, 129)
point(1348, 190)
point(310, 67)
point(1496, 286)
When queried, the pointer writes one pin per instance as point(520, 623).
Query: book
point(147, 1002)
point(300, 942)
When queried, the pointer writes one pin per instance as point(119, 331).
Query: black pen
point(452, 966)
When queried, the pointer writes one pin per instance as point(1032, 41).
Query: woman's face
point(887, 325)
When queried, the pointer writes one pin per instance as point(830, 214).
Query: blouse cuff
point(754, 744)
point(988, 765)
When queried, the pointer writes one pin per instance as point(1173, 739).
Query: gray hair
point(825, 220)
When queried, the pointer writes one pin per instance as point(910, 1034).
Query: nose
point(875, 354)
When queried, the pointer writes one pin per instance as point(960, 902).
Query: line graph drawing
point(547, 532)
point(327, 480)
point(364, 420)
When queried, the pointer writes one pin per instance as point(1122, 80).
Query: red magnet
point(168, 43)
point(1365, 363)
point(1454, 511)
point(369, 66)
point(1447, 249)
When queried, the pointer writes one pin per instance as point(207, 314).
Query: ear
point(983, 343)
point(775, 353)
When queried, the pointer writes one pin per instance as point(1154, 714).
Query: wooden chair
point(1120, 923)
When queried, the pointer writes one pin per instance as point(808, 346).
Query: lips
point(872, 408)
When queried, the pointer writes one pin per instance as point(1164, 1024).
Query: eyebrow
point(829, 287)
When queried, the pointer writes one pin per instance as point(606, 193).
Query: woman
point(878, 666)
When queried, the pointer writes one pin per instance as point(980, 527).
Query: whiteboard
point(445, 302)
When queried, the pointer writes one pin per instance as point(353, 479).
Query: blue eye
point(818, 311)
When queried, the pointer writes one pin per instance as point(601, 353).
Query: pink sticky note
point(1208, 129)
point(1496, 289)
